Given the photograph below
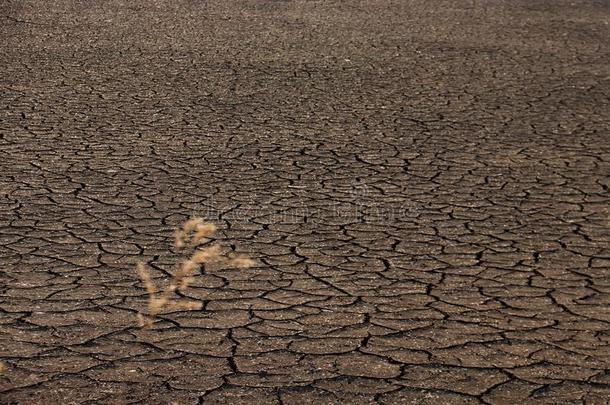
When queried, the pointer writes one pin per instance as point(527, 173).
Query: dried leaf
point(192, 224)
point(183, 306)
point(241, 262)
point(203, 231)
point(146, 279)
point(207, 255)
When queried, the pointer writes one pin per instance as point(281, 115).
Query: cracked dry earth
point(424, 187)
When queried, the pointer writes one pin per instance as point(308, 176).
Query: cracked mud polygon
point(424, 185)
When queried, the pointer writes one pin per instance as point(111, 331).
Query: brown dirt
point(424, 184)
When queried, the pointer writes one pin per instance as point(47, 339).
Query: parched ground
point(425, 186)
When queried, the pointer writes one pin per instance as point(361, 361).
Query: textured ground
point(425, 186)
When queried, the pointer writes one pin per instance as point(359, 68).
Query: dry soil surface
point(425, 186)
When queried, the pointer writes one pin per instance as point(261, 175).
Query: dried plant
point(188, 239)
